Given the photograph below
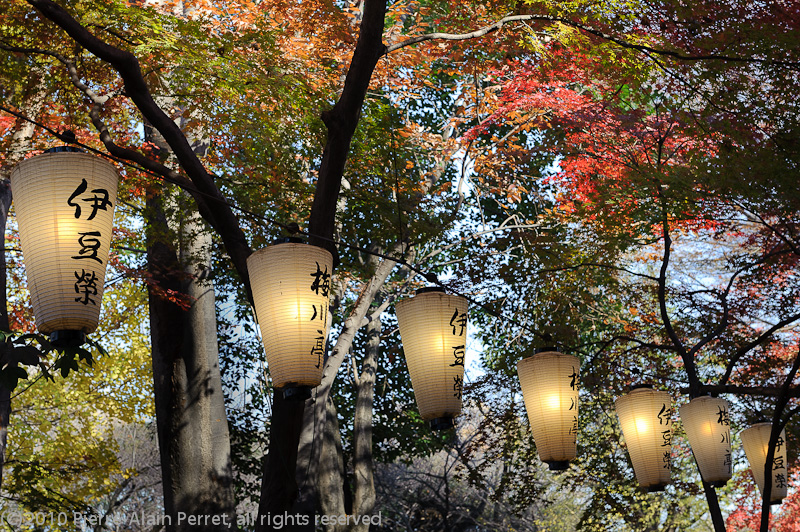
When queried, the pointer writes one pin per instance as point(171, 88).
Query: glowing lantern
point(291, 284)
point(433, 326)
point(646, 419)
point(64, 202)
point(755, 441)
point(705, 420)
point(549, 383)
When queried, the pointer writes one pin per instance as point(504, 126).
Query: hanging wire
point(292, 228)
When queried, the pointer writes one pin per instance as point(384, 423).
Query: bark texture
point(363, 464)
point(20, 144)
point(190, 411)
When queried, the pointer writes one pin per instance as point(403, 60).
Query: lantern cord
point(400, 225)
point(291, 228)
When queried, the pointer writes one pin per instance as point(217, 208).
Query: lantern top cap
point(430, 289)
point(63, 149)
point(288, 240)
point(548, 349)
point(643, 386)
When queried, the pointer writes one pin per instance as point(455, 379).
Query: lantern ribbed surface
point(707, 426)
point(645, 416)
point(291, 287)
point(64, 204)
point(433, 328)
point(549, 382)
point(755, 441)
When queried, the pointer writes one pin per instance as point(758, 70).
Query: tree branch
point(485, 30)
point(757, 341)
point(217, 212)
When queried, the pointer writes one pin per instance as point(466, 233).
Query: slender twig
point(485, 30)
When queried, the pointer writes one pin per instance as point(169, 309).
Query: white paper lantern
point(291, 284)
point(755, 441)
point(549, 382)
point(646, 419)
point(707, 426)
point(433, 328)
point(64, 203)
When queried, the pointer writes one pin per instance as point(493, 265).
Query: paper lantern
point(433, 328)
point(291, 283)
point(755, 441)
point(64, 203)
point(705, 420)
point(549, 383)
point(646, 419)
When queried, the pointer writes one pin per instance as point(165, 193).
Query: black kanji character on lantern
point(778, 444)
point(573, 404)
point(458, 321)
point(458, 386)
point(778, 463)
point(458, 354)
point(573, 378)
point(86, 285)
point(780, 480)
point(722, 416)
point(322, 281)
point(321, 314)
point(90, 245)
point(664, 415)
point(98, 202)
point(665, 459)
point(666, 437)
point(574, 428)
point(726, 437)
point(319, 347)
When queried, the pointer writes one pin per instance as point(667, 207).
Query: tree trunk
point(278, 486)
point(331, 468)
point(190, 409)
point(20, 143)
point(5, 393)
point(363, 465)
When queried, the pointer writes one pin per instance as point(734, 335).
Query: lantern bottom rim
point(718, 483)
point(67, 338)
point(656, 488)
point(296, 393)
point(442, 423)
point(777, 501)
point(557, 465)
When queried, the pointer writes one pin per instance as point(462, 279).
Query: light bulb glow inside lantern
point(291, 290)
point(642, 426)
point(755, 441)
point(64, 203)
point(549, 382)
point(433, 328)
point(645, 416)
point(553, 403)
point(707, 426)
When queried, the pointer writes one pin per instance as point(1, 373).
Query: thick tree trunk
point(190, 411)
point(20, 143)
point(5, 393)
point(278, 486)
point(363, 465)
point(307, 468)
point(331, 468)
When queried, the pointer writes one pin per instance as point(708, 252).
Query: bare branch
point(485, 30)
point(216, 210)
point(761, 338)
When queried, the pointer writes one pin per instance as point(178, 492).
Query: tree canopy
point(615, 179)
